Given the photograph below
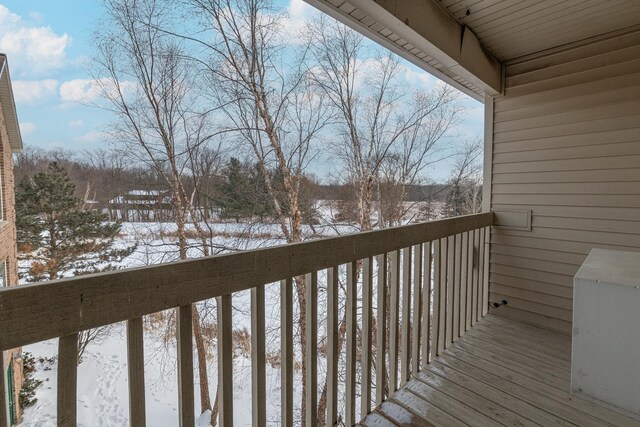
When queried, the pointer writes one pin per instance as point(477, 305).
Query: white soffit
point(510, 29)
point(422, 32)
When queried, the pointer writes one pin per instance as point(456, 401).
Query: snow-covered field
point(102, 375)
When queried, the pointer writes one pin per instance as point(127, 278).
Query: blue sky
point(48, 44)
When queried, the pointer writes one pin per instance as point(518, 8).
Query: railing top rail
point(36, 312)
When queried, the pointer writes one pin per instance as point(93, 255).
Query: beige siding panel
point(616, 214)
point(567, 147)
point(586, 50)
point(599, 163)
point(620, 69)
point(599, 112)
point(554, 244)
point(628, 121)
point(568, 188)
point(539, 254)
point(546, 299)
point(589, 151)
point(586, 91)
point(535, 264)
point(531, 285)
point(602, 95)
point(537, 275)
point(566, 69)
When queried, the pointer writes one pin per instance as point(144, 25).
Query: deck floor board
point(501, 373)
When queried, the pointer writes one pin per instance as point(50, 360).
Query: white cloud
point(27, 128)
point(93, 136)
point(33, 91)
point(32, 50)
point(299, 13)
point(90, 90)
point(76, 123)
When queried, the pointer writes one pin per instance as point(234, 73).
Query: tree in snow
point(61, 235)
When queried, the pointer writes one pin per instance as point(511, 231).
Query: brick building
point(10, 142)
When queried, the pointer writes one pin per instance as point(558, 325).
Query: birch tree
point(267, 102)
point(148, 85)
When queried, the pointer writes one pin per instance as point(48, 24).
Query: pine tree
point(62, 236)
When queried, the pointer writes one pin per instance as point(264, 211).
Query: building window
point(3, 273)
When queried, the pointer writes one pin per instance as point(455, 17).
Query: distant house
point(11, 376)
point(142, 206)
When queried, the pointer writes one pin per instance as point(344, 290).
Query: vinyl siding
point(566, 145)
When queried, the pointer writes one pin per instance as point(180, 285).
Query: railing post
point(394, 320)
point(67, 380)
point(184, 331)
point(311, 351)
point(367, 318)
point(225, 361)
point(417, 309)
point(426, 306)
point(286, 350)
point(135, 367)
point(351, 307)
point(332, 349)
point(381, 330)
point(406, 316)
point(258, 374)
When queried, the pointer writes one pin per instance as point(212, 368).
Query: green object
point(12, 403)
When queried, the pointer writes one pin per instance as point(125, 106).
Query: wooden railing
point(432, 275)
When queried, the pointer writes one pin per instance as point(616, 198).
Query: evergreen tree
point(243, 193)
point(63, 236)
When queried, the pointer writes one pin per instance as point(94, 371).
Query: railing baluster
point(444, 263)
point(67, 380)
point(457, 286)
point(393, 321)
point(258, 375)
point(332, 349)
point(367, 314)
point(464, 277)
point(135, 366)
point(381, 330)
point(311, 348)
point(417, 309)
point(437, 290)
point(406, 315)
point(286, 351)
point(485, 277)
point(480, 273)
point(426, 305)
point(469, 278)
point(184, 333)
point(225, 361)
point(351, 307)
point(476, 269)
point(451, 246)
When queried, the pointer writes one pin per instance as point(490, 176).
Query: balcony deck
point(501, 372)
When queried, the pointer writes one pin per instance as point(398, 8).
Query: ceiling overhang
point(8, 106)
point(425, 34)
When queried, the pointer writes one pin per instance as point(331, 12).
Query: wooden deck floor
point(501, 373)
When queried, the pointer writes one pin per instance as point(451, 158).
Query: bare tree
point(381, 123)
point(465, 184)
point(148, 84)
point(266, 102)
